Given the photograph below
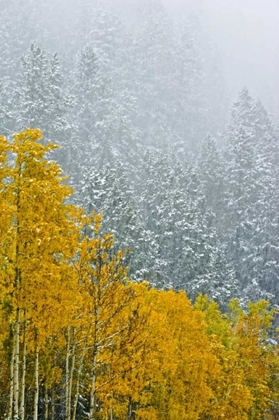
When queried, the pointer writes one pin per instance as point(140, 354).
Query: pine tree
point(211, 171)
point(187, 254)
point(154, 75)
point(41, 100)
point(33, 106)
point(91, 92)
point(103, 117)
point(265, 237)
point(241, 186)
point(250, 185)
point(190, 104)
point(110, 191)
point(8, 102)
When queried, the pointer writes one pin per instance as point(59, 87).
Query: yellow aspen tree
point(133, 395)
point(272, 412)
point(186, 393)
point(258, 357)
point(51, 371)
point(178, 364)
point(39, 239)
point(5, 374)
point(107, 322)
point(231, 397)
point(127, 360)
point(6, 242)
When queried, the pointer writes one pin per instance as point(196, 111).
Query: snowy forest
point(172, 187)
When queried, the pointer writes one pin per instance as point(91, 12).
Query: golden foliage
point(130, 351)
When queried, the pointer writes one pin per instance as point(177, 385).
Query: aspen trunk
point(78, 382)
point(22, 403)
point(73, 361)
point(79, 371)
point(68, 375)
point(129, 414)
point(36, 396)
point(52, 404)
point(93, 385)
point(16, 365)
point(17, 322)
point(11, 403)
point(46, 403)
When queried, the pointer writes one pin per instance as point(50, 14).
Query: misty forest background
point(184, 171)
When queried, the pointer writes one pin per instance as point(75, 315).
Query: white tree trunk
point(36, 396)
point(16, 365)
point(11, 403)
point(67, 373)
point(22, 402)
point(46, 403)
point(93, 385)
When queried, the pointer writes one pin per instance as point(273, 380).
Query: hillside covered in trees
point(144, 285)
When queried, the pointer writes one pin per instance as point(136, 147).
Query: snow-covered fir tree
point(251, 176)
point(210, 167)
point(109, 191)
point(173, 208)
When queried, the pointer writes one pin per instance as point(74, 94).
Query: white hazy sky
point(247, 34)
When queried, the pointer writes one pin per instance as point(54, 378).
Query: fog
point(247, 35)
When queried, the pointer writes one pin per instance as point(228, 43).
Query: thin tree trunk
point(93, 385)
point(78, 383)
point(11, 403)
point(72, 369)
point(17, 323)
point(129, 414)
point(16, 365)
point(95, 348)
point(36, 396)
point(68, 375)
point(79, 375)
point(46, 403)
point(52, 404)
point(22, 403)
